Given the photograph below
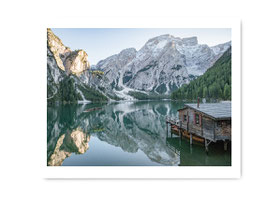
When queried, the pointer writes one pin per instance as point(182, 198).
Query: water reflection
point(70, 142)
point(126, 133)
point(131, 126)
point(195, 155)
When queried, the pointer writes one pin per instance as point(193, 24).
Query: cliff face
point(74, 62)
point(57, 48)
point(68, 78)
point(161, 66)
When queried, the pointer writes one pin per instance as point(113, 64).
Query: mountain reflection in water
point(121, 134)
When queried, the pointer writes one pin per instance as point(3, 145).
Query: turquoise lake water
point(123, 134)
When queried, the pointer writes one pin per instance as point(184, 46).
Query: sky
point(100, 43)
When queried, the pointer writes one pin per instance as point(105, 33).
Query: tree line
point(215, 83)
point(69, 92)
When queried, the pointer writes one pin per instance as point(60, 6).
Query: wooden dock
point(206, 124)
point(174, 127)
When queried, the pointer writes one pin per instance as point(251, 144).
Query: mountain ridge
point(161, 66)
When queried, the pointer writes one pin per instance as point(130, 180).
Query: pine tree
point(215, 83)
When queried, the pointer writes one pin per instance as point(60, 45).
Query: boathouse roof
point(215, 110)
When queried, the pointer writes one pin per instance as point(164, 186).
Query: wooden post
point(166, 129)
point(225, 145)
point(187, 122)
point(201, 126)
point(169, 128)
point(214, 126)
point(206, 146)
point(190, 138)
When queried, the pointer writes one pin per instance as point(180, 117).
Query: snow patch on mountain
point(162, 65)
point(221, 47)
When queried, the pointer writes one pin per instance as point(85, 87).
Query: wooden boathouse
point(208, 122)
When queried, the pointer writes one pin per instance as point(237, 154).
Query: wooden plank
point(214, 124)
point(225, 145)
point(201, 125)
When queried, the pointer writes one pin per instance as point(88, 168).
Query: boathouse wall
point(206, 126)
point(223, 130)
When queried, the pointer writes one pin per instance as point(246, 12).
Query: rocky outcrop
point(54, 76)
point(162, 65)
point(77, 62)
point(58, 49)
point(68, 78)
point(74, 62)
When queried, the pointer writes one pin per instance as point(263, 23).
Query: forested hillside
point(71, 91)
point(67, 74)
point(215, 83)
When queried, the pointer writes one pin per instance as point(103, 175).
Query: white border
point(153, 172)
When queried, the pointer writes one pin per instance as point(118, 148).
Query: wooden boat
point(92, 109)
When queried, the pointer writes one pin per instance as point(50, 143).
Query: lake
point(123, 134)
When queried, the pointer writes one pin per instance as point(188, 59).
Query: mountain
point(65, 71)
point(161, 66)
point(215, 83)
point(112, 67)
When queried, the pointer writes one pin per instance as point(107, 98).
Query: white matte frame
point(152, 172)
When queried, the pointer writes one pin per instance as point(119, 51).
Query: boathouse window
point(184, 118)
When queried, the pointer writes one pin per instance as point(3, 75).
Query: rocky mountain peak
point(221, 47)
point(159, 41)
point(57, 48)
point(161, 37)
point(190, 41)
point(128, 51)
point(164, 39)
point(118, 60)
point(74, 62)
point(162, 65)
